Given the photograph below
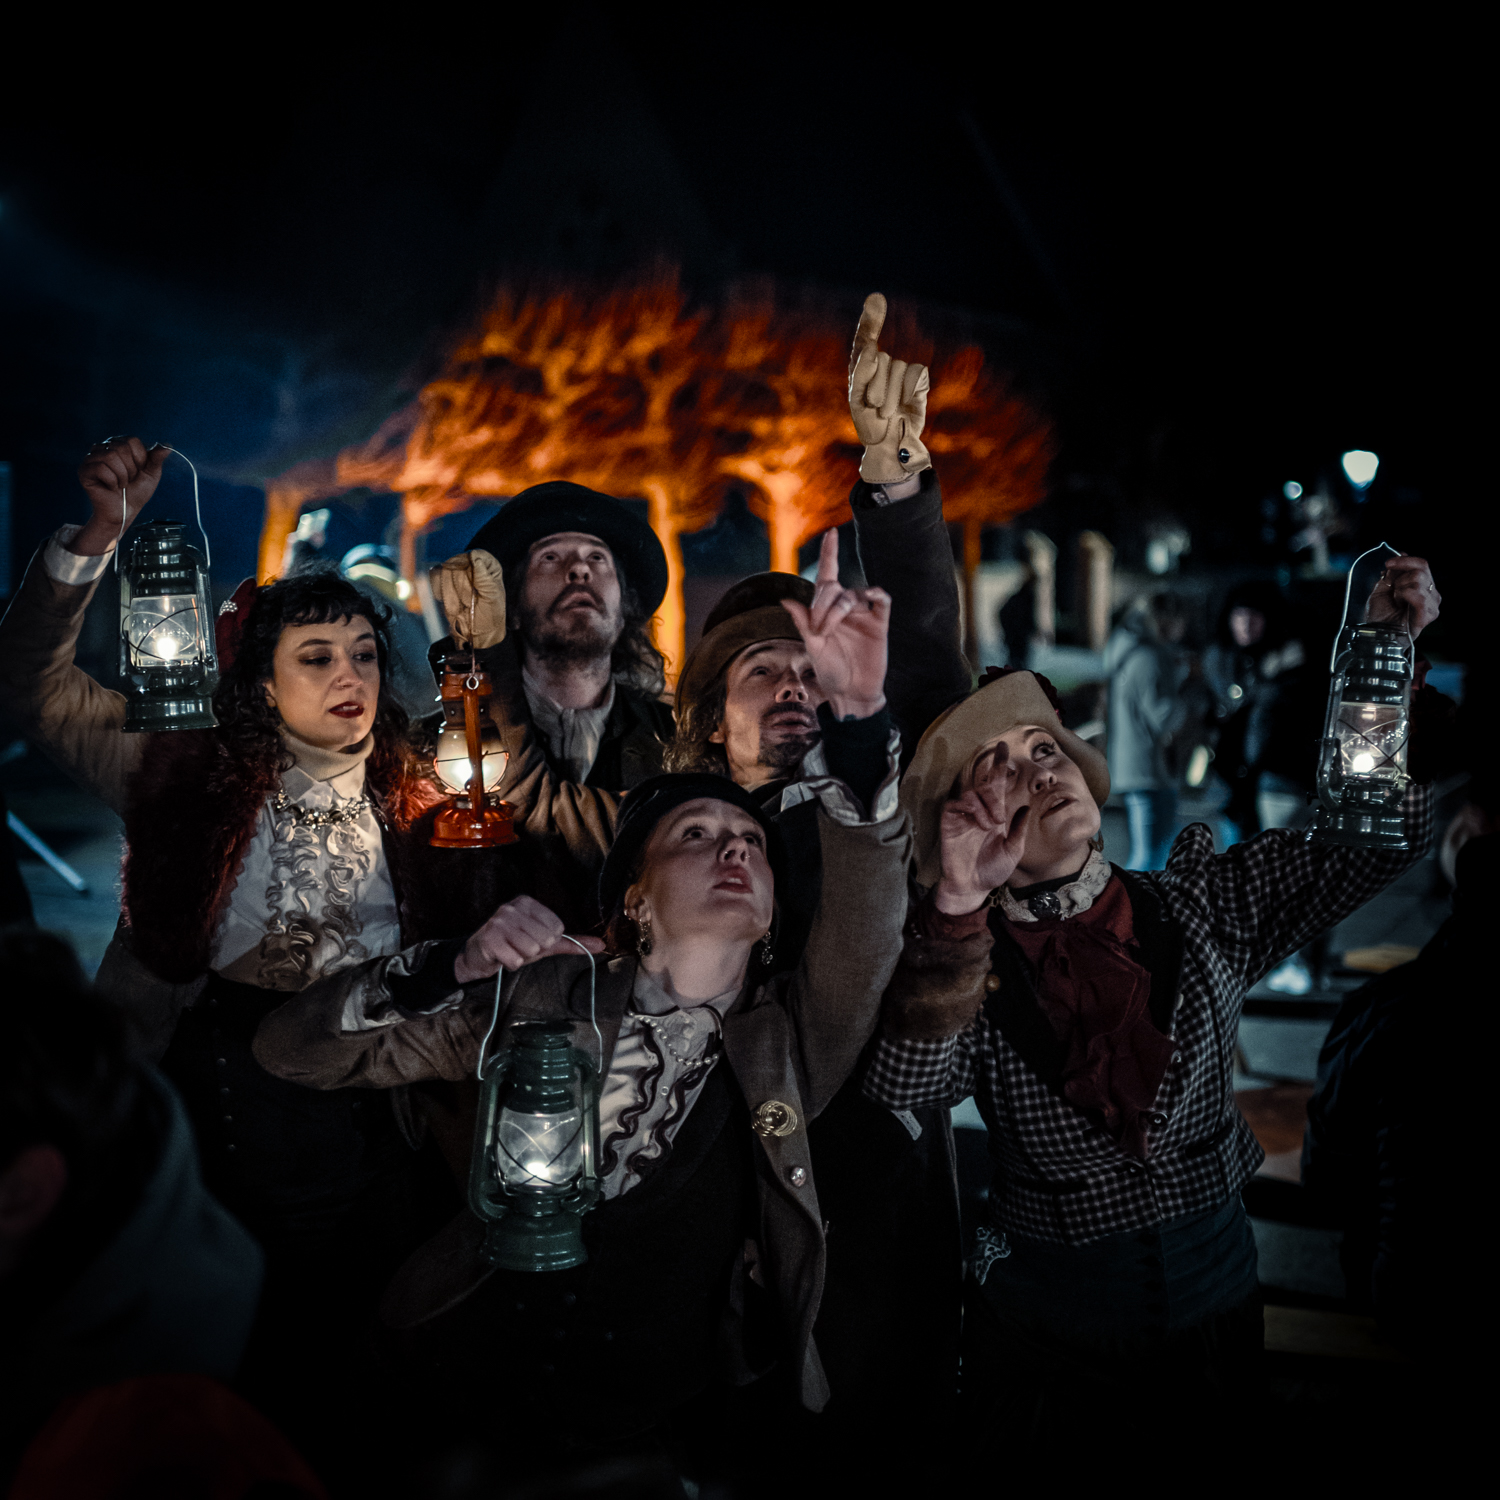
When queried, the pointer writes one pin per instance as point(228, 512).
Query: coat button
point(797, 1176)
point(992, 982)
point(223, 1062)
point(774, 1118)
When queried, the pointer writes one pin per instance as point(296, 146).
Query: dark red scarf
point(1094, 990)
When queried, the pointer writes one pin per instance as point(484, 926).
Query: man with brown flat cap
point(750, 707)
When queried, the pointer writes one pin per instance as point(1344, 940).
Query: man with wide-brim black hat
point(555, 595)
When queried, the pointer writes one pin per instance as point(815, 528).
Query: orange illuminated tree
point(632, 392)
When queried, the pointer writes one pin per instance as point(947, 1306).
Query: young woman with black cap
point(712, 1064)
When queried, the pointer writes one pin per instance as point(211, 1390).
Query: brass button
point(992, 982)
point(797, 1176)
point(774, 1118)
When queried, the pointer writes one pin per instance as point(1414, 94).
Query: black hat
point(560, 505)
point(646, 805)
point(749, 612)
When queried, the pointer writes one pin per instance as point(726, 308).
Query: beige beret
point(958, 734)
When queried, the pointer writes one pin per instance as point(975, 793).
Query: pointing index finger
point(871, 321)
point(828, 560)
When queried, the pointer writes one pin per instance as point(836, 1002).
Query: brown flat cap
point(749, 612)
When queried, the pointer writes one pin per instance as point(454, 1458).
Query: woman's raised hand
point(519, 933)
point(845, 633)
point(116, 468)
point(983, 839)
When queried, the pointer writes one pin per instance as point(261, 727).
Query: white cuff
point(897, 489)
point(839, 802)
point(68, 567)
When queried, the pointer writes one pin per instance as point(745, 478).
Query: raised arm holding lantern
point(1092, 1013)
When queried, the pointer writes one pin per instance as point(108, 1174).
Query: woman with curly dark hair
point(283, 845)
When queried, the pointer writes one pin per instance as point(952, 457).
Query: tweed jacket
point(794, 1038)
point(1210, 925)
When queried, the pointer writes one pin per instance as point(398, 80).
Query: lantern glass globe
point(539, 1151)
point(452, 758)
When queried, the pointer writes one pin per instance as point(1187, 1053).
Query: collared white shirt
point(661, 1061)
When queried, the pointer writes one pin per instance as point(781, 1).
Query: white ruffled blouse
point(314, 894)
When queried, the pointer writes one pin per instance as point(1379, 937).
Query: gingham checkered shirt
point(1056, 1175)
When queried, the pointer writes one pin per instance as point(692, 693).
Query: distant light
point(1292, 490)
point(1360, 465)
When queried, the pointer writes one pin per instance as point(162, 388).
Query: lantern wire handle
point(484, 1046)
point(208, 560)
point(1348, 588)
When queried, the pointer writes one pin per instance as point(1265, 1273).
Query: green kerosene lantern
point(535, 1167)
point(1362, 777)
point(166, 633)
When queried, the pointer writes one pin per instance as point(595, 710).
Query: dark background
point(1218, 255)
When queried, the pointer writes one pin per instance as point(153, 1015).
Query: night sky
point(1218, 256)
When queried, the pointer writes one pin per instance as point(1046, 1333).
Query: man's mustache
point(805, 716)
point(571, 594)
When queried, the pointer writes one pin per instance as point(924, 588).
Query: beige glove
point(471, 590)
point(888, 401)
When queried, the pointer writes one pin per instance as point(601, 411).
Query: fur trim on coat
point(937, 988)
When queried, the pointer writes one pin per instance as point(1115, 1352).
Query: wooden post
point(1042, 551)
point(1098, 587)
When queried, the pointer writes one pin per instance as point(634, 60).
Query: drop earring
point(765, 947)
point(643, 935)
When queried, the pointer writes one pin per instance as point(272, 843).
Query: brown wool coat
point(794, 1038)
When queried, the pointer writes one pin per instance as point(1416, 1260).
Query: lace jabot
point(313, 893)
point(1076, 896)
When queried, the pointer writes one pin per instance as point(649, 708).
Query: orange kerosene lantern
point(470, 761)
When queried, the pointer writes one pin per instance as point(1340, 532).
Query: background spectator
point(1147, 710)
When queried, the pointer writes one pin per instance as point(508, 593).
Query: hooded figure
point(1092, 1014)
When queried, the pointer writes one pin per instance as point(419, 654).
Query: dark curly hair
point(315, 597)
point(691, 749)
point(634, 660)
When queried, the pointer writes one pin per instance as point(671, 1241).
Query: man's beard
point(569, 637)
point(784, 755)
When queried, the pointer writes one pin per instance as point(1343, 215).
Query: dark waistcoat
point(637, 1325)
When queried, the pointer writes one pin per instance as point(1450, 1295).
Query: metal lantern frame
point(476, 817)
point(1362, 776)
point(535, 1226)
point(165, 601)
